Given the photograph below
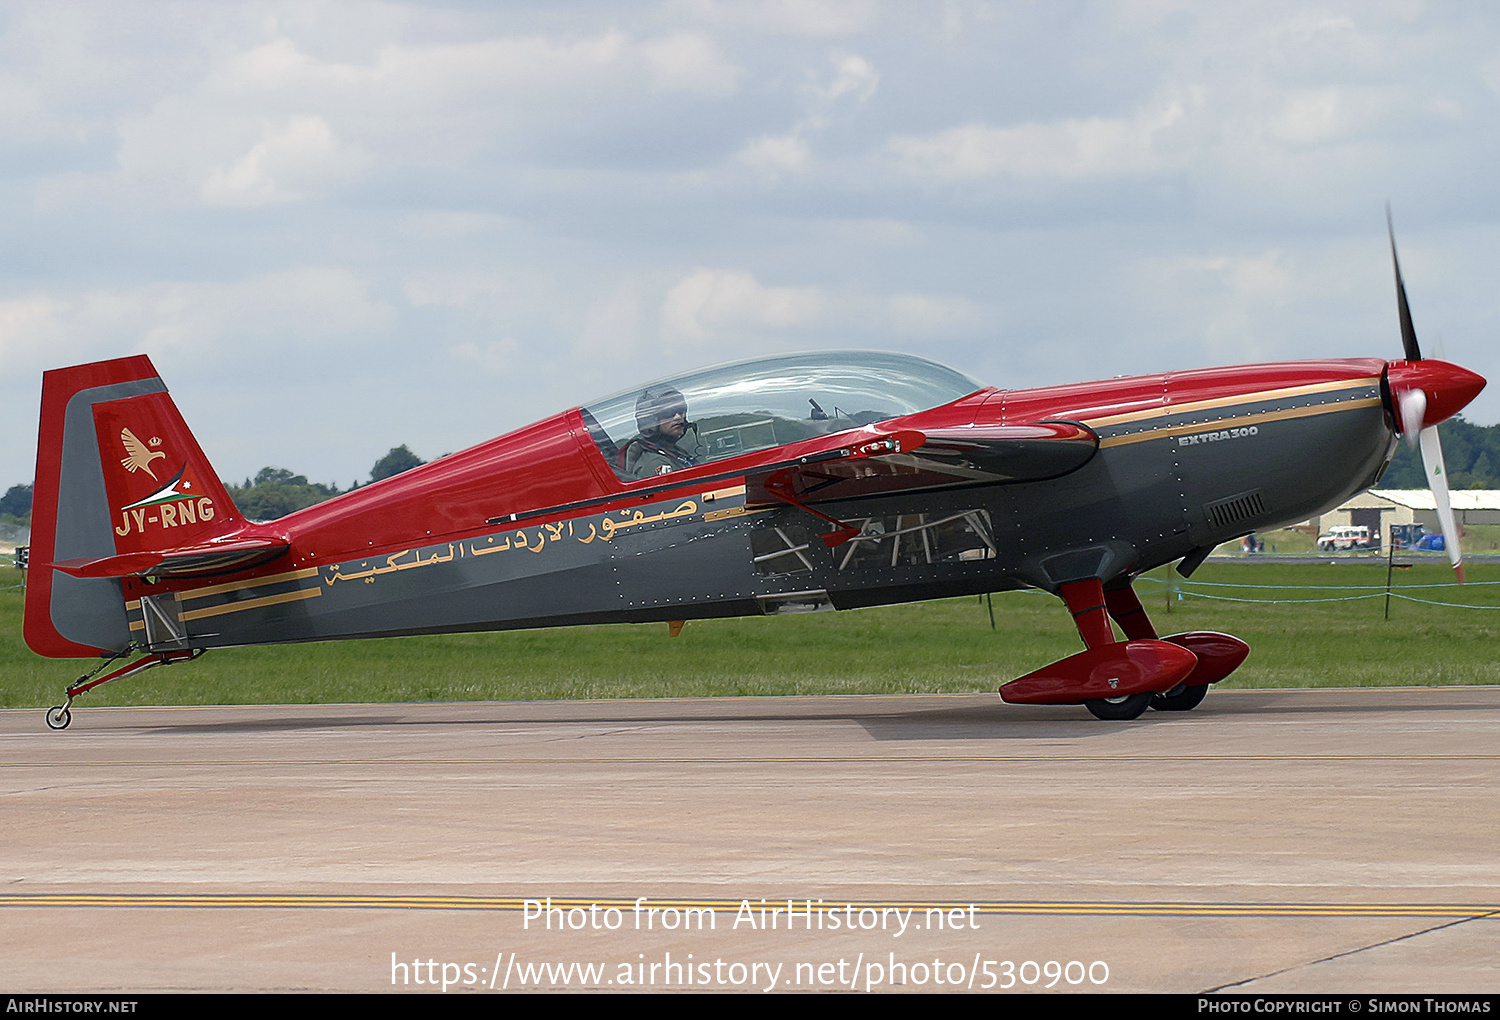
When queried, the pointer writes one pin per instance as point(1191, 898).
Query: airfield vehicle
point(1348, 538)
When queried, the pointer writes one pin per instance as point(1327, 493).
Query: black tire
point(1116, 709)
point(1179, 699)
point(58, 717)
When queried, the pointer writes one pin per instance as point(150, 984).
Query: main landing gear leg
point(1112, 679)
point(1218, 654)
point(1089, 604)
point(1128, 612)
point(59, 716)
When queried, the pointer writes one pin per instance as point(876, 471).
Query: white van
point(1344, 537)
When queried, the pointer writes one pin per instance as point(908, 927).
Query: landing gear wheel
point(1179, 698)
point(1128, 707)
point(58, 717)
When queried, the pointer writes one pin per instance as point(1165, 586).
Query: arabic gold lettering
point(338, 575)
point(592, 535)
point(475, 550)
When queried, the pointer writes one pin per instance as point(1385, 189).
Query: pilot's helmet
point(656, 406)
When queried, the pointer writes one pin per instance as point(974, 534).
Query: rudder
point(118, 473)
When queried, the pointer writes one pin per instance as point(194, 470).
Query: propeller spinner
point(1425, 393)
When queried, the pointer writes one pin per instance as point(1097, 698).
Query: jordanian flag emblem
point(179, 488)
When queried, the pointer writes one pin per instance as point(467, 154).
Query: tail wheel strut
point(59, 716)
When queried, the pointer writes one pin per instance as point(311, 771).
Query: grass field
point(945, 646)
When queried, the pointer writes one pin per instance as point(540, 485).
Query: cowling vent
point(1223, 513)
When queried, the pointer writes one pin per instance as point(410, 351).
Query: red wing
point(935, 459)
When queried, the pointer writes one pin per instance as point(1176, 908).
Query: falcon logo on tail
point(139, 455)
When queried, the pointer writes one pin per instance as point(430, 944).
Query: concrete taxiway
point(1270, 841)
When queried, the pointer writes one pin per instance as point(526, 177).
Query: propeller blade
point(1437, 480)
point(1408, 332)
point(1413, 408)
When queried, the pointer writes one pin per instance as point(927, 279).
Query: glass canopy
point(753, 405)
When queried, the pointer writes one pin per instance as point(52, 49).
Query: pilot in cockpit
point(661, 415)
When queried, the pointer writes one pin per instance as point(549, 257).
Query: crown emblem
point(154, 440)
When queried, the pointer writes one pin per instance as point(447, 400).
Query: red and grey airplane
point(781, 485)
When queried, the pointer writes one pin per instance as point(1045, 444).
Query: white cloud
point(808, 18)
point(1070, 149)
point(715, 303)
point(1262, 278)
point(689, 62)
point(512, 301)
point(1332, 114)
point(287, 164)
point(277, 122)
point(31, 329)
point(930, 314)
point(775, 154)
point(495, 357)
point(297, 306)
point(611, 329)
point(1237, 308)
point(853, 75)
point(710, 299)
point(403, 81)
point(294, 308)
point(1489, 73)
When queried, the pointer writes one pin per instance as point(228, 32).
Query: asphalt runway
point(1270, 841)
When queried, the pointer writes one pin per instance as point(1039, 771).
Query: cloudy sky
point(339, 227)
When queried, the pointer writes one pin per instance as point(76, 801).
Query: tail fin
point(119, 482)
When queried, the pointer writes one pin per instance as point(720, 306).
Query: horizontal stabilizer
point(190, 561)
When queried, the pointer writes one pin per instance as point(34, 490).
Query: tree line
point(276, 492)
point(1471, 454)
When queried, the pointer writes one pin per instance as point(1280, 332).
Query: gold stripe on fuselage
point(1240, 398)
point(134, 605)
point(266, 600)
point(1239, 420)
point(235, 607)
point(254, 582)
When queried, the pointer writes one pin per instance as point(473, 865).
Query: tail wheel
point(1180, 698)
point(1128, 707)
